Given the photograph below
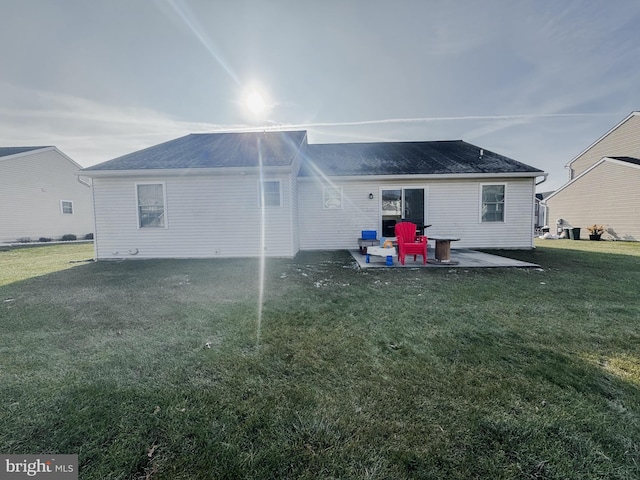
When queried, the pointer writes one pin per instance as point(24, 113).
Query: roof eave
point(621, 162)
point(180, 172)
point(437, 176)
point(588, 170)
point(51, 148)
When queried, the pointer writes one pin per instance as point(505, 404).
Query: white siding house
point(233, 197)
point(604, 185)
point(273, 194)
point(41, 195)
point(440, 184)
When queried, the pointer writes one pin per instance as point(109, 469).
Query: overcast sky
point(536, 80)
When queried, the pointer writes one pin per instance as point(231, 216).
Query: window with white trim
point(493, 202)
point(331, 197)
point(152, 205)
point(269, 194)
point(66, 207)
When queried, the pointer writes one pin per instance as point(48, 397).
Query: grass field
point(169, 369)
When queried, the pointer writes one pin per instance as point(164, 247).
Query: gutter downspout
point(542, 204)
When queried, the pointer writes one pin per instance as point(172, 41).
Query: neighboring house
point(540, 211)
point(42, 196)
point(272, 193)
point(604, 185)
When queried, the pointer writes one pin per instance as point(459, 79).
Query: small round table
point(443, 249)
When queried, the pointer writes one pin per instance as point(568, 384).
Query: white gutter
point(288, 169)
point(179, 172)
point(437, 176)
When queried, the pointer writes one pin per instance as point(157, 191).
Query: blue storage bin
point(369, 234)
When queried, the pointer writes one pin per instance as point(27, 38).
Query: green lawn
point(377, 374)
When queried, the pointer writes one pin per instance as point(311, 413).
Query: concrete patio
point(464, 257)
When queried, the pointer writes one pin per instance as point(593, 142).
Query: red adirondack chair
point(409, 243)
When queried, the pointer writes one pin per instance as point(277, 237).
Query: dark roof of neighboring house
point(212, 150)
point(408, 158)
point(635, 161)
point(7, 151)
point(543, 195)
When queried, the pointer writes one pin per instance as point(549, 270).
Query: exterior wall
point(31, 188)
point(608, 195)
point(453, 207)
point(622, 141)
point(294, 224)
point(340, 228)
point(206, 216)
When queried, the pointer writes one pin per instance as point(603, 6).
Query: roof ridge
point(234, 132)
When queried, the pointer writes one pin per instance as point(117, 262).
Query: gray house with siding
point(273, 193)
point(604, 185)
point(41, 195)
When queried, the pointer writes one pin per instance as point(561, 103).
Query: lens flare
point(261, 270)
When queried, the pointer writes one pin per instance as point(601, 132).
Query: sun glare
point(255, 102)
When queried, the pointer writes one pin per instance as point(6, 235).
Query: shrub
point(44, 239)
point(69, 237)
point(596, 229)
point(24, 240)
point(88, 236)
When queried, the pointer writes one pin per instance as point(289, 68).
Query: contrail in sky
point(531, 116)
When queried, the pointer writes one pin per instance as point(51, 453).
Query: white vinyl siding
point(454, 206)
point(452, 209)
point(31, 187)
point(208, 216)
point(293, 214)
point(332, 229)
point(218, 215)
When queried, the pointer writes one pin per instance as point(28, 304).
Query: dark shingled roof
point(6, 151)
point(408, 158)
point(215, 150)
point(635, 161)
point(212, 150)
